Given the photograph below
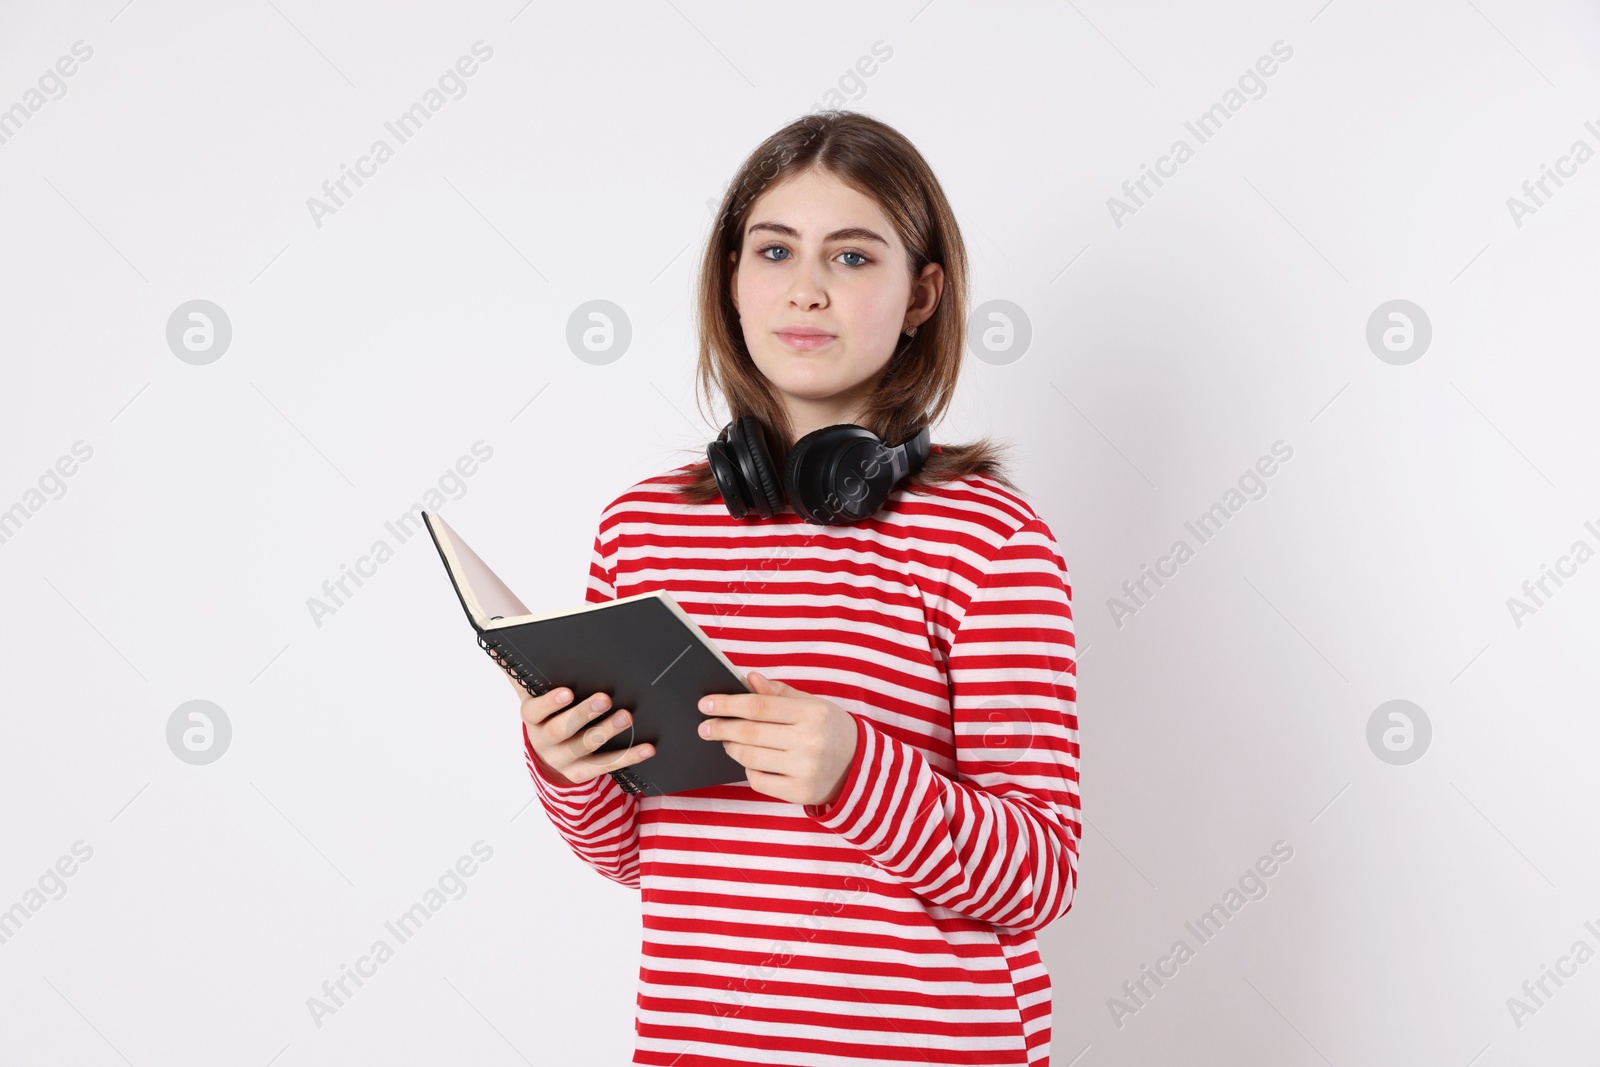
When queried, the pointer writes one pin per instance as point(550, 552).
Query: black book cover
point(643, 651)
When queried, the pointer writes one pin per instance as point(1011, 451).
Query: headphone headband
point(912, 453)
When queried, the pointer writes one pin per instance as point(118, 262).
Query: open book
point(643, 651)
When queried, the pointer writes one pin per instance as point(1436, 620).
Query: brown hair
point(919, 380)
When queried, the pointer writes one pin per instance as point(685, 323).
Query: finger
point(753, 706)
point(579, 717)
point(592, 737)
point(771, 686)
point(601, 762)
point(537, 710)
point(732, 705)
point(767, 735)
point(755, 758)
point(780, 786)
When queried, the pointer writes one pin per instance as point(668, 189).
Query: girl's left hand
point(797, 747)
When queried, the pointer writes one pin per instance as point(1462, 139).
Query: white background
point(1168, 353)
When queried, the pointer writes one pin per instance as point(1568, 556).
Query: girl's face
point(823, 292)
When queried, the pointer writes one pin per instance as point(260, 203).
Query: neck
point(808, 415)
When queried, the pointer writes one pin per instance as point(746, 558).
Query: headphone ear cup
point(750, 447)
point(727, 478)
point(825, 490)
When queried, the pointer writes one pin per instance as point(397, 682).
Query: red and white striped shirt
point(897, 924)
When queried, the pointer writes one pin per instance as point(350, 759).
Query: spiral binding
point(524, 674)
point(520, 671)
point(630, 782)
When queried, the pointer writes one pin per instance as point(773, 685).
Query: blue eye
point(762, 252)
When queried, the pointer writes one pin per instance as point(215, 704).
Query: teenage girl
point(870, 894)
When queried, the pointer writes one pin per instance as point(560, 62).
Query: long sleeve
point(598, 819)
point(1000, 842)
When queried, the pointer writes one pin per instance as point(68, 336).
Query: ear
point(733, 279)
point(925, 293)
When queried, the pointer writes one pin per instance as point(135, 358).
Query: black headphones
point(835, 475)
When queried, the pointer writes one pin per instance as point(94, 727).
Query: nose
point(808, 287)
point(802, 298)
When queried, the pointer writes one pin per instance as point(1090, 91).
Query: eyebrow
point(850, 233)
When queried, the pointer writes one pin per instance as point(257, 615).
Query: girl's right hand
point(565, 743)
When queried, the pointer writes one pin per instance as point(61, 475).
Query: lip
point(805, 338)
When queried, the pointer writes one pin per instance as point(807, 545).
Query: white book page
point(483, 589)
point(488, 597)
